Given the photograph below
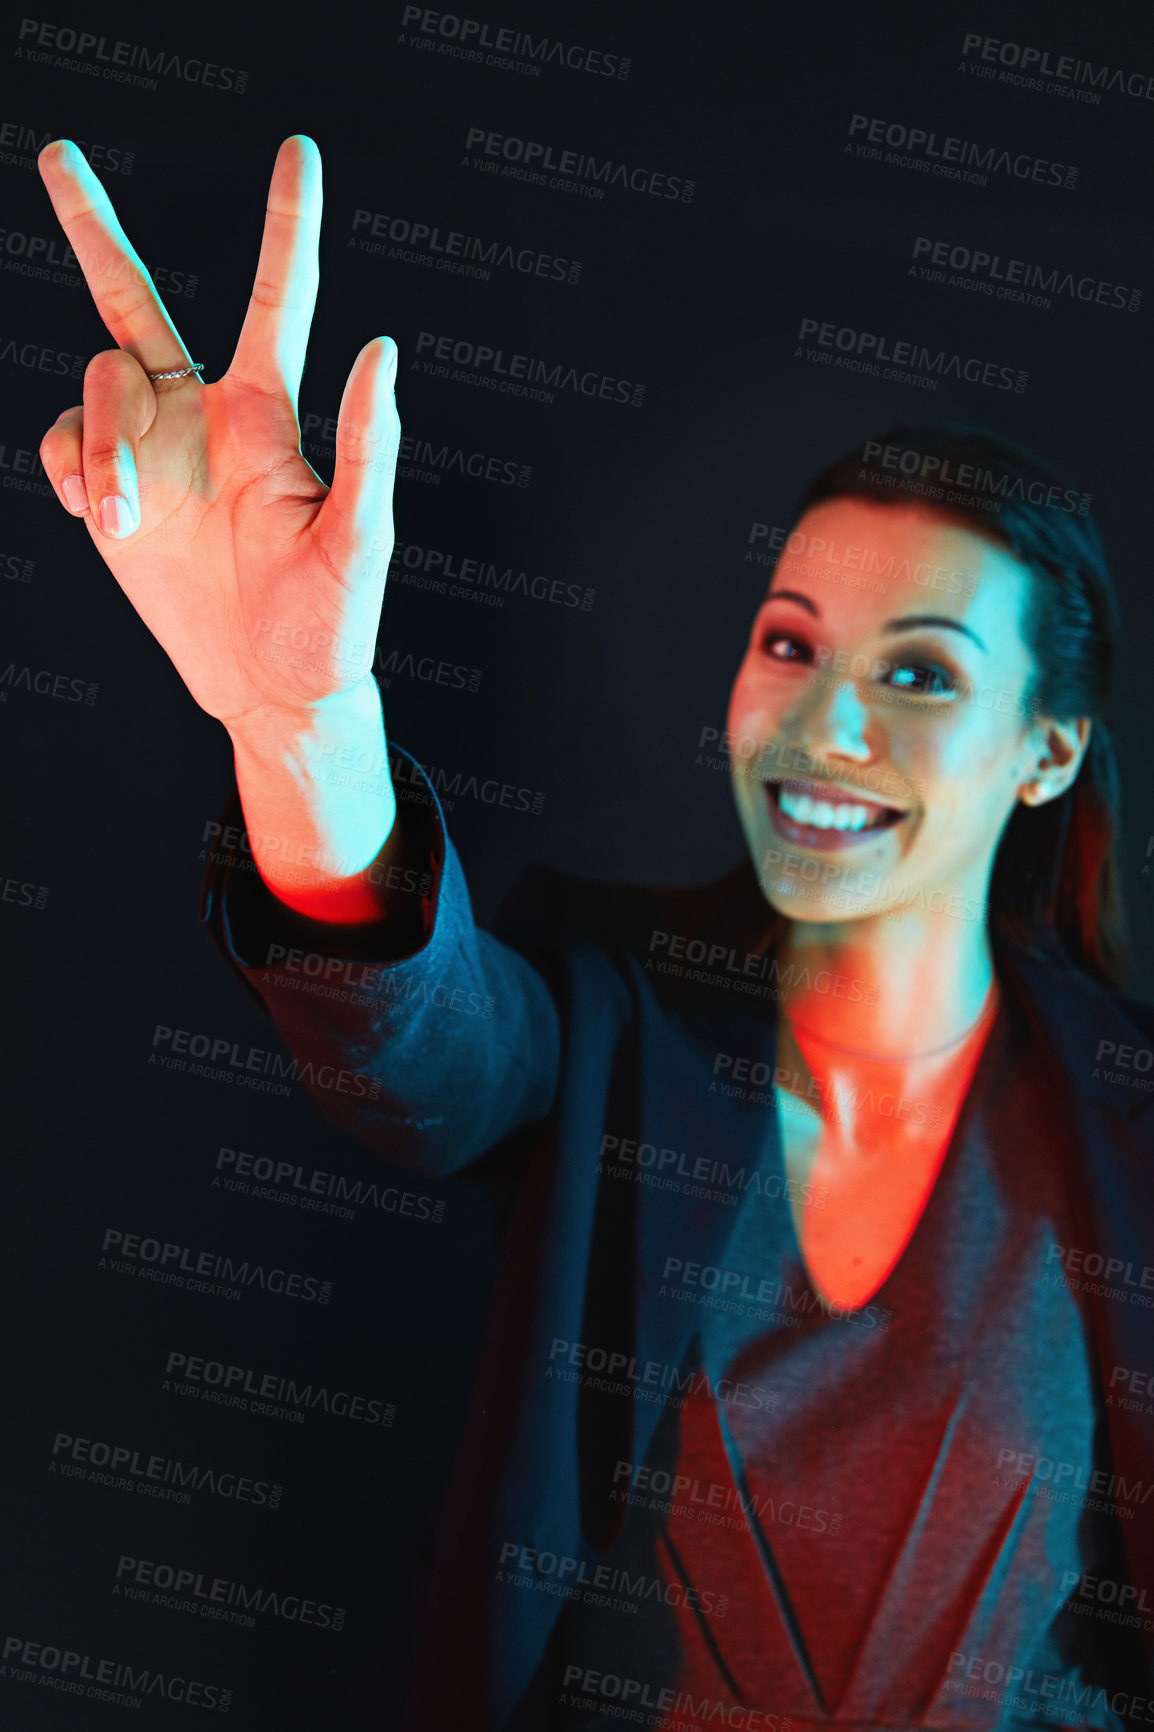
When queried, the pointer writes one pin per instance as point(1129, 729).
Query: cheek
point(750, 711)
point(974, 766)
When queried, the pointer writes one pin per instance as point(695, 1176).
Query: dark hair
point(1055, 886)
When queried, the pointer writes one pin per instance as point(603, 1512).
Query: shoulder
point(547, 909)
point(1138, 1011)
point(1053, 981)
point(1102, 1038)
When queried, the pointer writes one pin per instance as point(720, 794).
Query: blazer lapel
point(1097, 1041)
point(709, 1134)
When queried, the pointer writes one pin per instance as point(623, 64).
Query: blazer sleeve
point(420, 1033)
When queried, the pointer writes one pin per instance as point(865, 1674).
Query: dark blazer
point(572, 1033)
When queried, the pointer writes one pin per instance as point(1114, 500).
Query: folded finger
point(119, 407)
point(61, 453)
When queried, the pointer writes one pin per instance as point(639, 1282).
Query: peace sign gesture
point(221, 535)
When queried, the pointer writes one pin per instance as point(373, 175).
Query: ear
point(1061, 746)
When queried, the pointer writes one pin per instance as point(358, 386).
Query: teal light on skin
point(261, 584)
point(932, 721)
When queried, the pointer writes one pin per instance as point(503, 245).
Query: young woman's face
point(880, 733)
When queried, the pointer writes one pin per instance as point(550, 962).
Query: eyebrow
point(908, 622)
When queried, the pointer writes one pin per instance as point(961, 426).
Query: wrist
point(318, 800)
point(316, 733)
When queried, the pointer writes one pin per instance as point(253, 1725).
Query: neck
point(894, 987)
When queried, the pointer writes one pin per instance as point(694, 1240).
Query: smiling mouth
point(818, 815)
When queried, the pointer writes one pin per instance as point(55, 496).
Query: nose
point(831, 721)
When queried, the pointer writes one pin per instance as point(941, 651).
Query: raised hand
point(263, 586)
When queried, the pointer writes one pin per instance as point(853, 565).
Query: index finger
point(121, 287)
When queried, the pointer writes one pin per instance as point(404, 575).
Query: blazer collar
point(1101, 1039)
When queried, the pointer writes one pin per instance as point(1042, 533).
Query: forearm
point(319, 805)
point(420, 1033)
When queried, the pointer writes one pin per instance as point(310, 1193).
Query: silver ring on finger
point(178, 372)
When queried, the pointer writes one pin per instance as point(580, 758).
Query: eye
point(782, 646)
point(923, 679)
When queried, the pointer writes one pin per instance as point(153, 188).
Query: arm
point(264, 588)
point(262, 585)
point(417, 1031)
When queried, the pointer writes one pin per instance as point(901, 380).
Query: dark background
point(600, 709)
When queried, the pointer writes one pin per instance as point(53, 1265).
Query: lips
point(822, 816)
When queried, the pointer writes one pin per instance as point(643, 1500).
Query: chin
point(814, 904)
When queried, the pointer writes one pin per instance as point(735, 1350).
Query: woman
point(793, 1408)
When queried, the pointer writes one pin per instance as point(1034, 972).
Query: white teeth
point(824, 814)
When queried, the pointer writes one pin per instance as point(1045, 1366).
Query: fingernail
point(115, 516)
point(75, 493)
